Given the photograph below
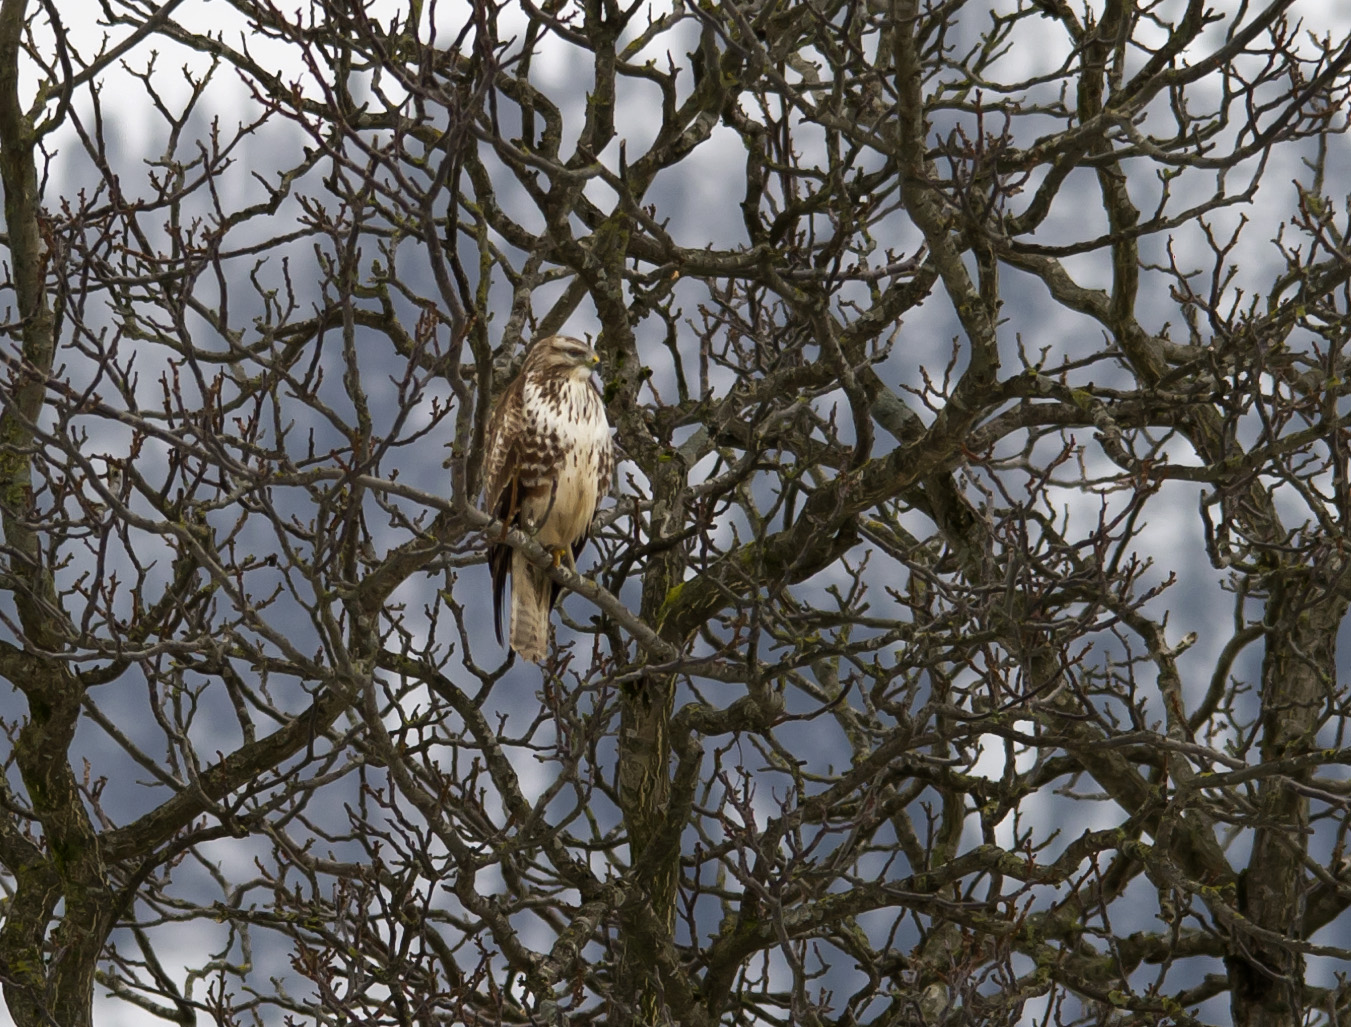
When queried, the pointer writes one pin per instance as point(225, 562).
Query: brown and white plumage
point(547, 462)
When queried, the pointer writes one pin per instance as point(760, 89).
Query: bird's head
point(566, 355)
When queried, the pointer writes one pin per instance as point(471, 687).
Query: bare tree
point(962, 646)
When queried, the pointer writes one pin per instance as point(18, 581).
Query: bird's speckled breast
point(570, 428)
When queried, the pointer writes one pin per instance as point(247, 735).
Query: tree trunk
point(47, 979)
point(1298, 677)
point(647, 920)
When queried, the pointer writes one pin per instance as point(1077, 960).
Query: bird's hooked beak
point(589, 363)
point(584, 366)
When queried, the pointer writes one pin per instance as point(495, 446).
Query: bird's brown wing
point(501, 484)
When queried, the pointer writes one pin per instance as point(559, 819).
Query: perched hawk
point(547, 463)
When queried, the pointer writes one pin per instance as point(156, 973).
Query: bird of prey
point(547, 462)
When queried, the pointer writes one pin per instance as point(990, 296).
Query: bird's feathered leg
point(556, 552)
